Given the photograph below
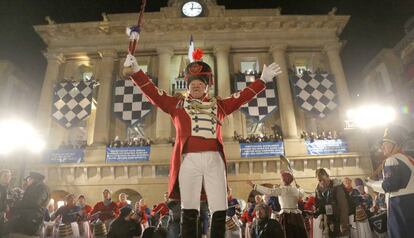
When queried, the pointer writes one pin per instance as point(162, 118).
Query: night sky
point(374, 24)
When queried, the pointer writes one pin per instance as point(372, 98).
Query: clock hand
point(192, 6)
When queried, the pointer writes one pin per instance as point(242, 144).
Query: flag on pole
point(191, 49)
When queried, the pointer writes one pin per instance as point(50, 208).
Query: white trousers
point(203, 168)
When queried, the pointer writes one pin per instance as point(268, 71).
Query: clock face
point(192, 9)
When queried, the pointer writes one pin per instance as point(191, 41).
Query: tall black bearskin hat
point(395, 134)
point(198, 69)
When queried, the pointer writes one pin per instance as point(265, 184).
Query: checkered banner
point(130, 104)
point(72, 102)
point(315, 93)
point(263, 104)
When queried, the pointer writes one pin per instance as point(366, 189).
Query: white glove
point(269, 72)
point(131, 62)
point(375, 185)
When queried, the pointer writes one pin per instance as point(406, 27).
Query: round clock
point(192, 9)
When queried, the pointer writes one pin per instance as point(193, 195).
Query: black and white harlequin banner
point(130, 104)
point(263, 104)
point(315, 93)
point(72, 102)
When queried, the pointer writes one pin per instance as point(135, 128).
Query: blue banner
point(63, 156)
point(127, 154)
point(262, 149)
point(323, 147)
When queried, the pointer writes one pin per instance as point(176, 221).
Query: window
point(249, 66)
point(301, 69)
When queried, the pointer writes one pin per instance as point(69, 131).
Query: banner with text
point(63, 156)
point(263, 149)
point(127, 154)
point(323, 147)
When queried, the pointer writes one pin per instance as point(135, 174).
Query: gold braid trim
point(197, 107)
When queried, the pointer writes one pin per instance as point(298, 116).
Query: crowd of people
point(336, 208)
point(133, 142)
point(258, 138)
point(323, 135)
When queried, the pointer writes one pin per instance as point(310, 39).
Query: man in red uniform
point(161, 210)
point(198, 156)
point(107, 209)
point(122, 200)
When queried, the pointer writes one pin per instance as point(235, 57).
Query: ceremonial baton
point(135, 30)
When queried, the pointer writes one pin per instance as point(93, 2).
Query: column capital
point(281, 47)
point(221, 49)
point(332, 46)
point(52, 56)
point(108, 53)
point(165, 50)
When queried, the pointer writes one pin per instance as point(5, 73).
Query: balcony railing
point(129, 173)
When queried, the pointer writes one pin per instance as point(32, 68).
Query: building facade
point(233, 41)
point(389, 77)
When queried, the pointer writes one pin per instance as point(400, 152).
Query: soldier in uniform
point(398, 182)
point(198, 156)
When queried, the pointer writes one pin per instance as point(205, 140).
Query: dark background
point(374, 24)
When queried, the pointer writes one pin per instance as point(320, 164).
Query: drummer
point(70, 212)
point(85, 208)
point(105, 210)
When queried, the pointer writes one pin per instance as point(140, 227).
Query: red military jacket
point(182, 120)
point(106, 212)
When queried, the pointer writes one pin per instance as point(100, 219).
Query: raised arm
point(233, 103)
point(155, 95)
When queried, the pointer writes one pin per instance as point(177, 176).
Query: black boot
point(218, 224)
point(189, 223)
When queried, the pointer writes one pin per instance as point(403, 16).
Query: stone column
point(44, 114)
point(163, 121)
point(286, 107)
point(223, 86)
point(332, 50)
point(103, 110)
point(292, 143)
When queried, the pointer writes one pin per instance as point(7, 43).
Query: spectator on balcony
point(105, 210)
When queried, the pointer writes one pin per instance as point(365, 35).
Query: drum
point(65, 230)
point(99, 229)
point(231, 223)
point(378, 223)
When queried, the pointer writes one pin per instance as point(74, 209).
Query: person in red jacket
point(122, 200)
point(105, 210)
point(198, 159)
point(161, 210)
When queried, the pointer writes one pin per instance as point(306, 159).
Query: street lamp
point(19, 135)
point(368, 116)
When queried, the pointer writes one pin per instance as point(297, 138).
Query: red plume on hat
point(198, 69)
point(198, 54)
